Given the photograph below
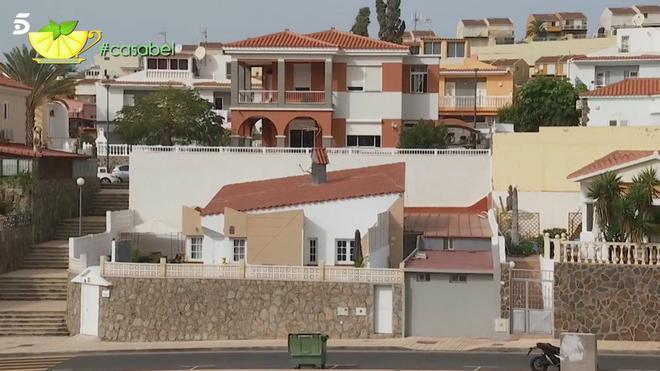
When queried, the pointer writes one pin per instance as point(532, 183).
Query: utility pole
point(476, 71)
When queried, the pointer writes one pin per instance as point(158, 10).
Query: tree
point(536, 29)
point(543, 101)
point(171, 115)
point(391, 26)
point(46, 80)
point(423, 135)
point(361, 25)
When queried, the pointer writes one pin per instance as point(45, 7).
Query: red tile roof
point(297, 190)
point(586, 58)
point(6, 81)
point(546, 17)
point(503, 62)
point(347, 40)
point(628, 87)
point(127, 82)
point(320, 156)
point(499, 21)
point(648, 8)
point(21, 150)
point(556, 58)
point(622, 11)
point(284, 39)
point(571, 15)
point(473, 22)
point(451, 261)
point(476, 208)
point(441, 224)
point(609, 161)
point(212, 84)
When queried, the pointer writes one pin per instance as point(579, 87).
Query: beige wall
point(191, 222)
point(532, 51)
point(396, 233)
point(15, 98)
point(235, 219)
point(540, 162)
point(275, 238)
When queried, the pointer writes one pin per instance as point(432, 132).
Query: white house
point(631, 102)
point(636, 54)
point(303, 220)
point(613, 19)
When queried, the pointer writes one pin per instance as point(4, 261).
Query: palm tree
point(46, 80)
point(606, 190)
point(536, 28)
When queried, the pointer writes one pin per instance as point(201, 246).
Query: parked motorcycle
point(550, 357)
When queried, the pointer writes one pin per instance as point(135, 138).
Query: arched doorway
point(258, 132)
point(303, 132)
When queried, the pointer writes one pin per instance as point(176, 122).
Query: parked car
point(121, 172)
point(105, 177)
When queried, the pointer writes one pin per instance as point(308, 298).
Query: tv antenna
point(164, 35)
point(205, 34)
point(418, 18)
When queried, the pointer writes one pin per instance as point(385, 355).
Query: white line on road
point(477, 368)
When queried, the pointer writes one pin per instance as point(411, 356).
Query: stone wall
point(505, 290)
point(73, 306)
point(14, 243)
point(615, 302)
point(197, 309)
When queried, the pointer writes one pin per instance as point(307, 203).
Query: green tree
point(170, 116)
point(543, 101)
point(361, 25)
point(536, 29)
point(423, 135)
point(389, 19)
point(46, 80)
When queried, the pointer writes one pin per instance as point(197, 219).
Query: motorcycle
point(550, 357)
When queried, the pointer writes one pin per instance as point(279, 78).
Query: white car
point(105, 177)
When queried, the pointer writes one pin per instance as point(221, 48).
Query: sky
point(141, 21)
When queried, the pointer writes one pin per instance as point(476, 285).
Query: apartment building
point(488, 31)
point(552, 66)
point(13, 95)
point(329, 88)
point(413, 39)
point(557, 26)
point(630, 102)
point(613, 19)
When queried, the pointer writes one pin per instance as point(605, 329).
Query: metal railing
point(467, 102)
point(126, 149)
point(601, 252)
point(169, 75)
point(304, 97)
point(257, 96)
point(251, 272)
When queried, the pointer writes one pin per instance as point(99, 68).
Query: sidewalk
point(12, 346)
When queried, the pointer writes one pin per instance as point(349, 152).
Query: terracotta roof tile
point(284, 39)
point(419, 33)
point(628, 87)
point(502, 62)
point(447, 224)
point(452, 261)
point(546, 17)
point(499, 21)
point(212, 84)
point(648, 8)
point(320, 156)
point(586, 58)
point(10, 83)
point(347, 40)
point(556, 58)
point(21, 150)
point(622, 11)
point(608, 161)
point(126, 82)
point(571, 15)
point(297, 190)
point(476, 208)
point(473, 22)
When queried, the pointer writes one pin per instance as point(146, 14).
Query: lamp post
point(81, 183)
point(475, 98)
point(107, 119)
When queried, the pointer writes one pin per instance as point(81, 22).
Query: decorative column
point(280, 140)
point(328, 83)
point(235, 81)
point(281, 81)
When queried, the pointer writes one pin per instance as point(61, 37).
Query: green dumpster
point(307, 349)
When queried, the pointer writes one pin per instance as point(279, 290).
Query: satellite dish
point(200, 53)
point(638, 19)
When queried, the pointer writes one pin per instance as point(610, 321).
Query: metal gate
point(532, 301)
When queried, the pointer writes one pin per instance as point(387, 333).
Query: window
point(364, 78)
point(629, 74)
point(228, 70)
point(432, 48)
point(5, 111)
point(123, 168)
point(217, 103)
point(183, 64)
point(456, 50)
point(363, 141)
point(623, 123)
point(162, 64)
point(345, 250)
point(313, 243)
point(625, 44)
point(590, 217)
point(423, 277)
point(612, 122)
point(458, 278)
point(129, 100)
point(239, 249)
point(174, 64)
point(418, 79)
point(409, 124)
point(152, 63)
point(414, 49)
point(195, 248)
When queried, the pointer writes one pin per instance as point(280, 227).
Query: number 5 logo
point(21, 25)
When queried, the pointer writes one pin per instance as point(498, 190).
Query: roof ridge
point(285, 31)
point(351, 34)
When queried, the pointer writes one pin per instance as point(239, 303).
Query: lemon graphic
point(58, 43)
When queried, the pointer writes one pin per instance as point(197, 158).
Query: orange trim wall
point(318, 76)
point(390, 131)
point(339, 132)
point(280, 119)
point(339, 77)
point(392, 77)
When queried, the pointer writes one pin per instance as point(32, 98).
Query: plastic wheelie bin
point(307, 349)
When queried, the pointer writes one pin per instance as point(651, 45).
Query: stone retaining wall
point(171, 309)
point(73, 306)
point(615, 302)
point(14, 244)
point(505, 290)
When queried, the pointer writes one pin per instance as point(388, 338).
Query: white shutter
point(373, 78)
point(355, 77)
point(302, 76)
point(364, 128)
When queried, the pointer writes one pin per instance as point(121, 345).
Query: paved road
point(337, 359)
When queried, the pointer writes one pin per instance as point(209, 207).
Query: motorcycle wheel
point(539, 363)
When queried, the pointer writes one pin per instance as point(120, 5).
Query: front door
point(89, 310)
point(383, 309)
point(312, 252)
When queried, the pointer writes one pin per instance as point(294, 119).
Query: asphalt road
point(337, 359)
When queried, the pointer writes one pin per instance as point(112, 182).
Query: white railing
point(467, 102)
point(169, 75)
point(125, 150)
point(222, 113)
point(251, 272)
point(257, 96)
point(601, 252)
point(304, 97)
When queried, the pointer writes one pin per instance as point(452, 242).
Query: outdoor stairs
point(32, 288)
point(90, 225)
point(47, 255)
point(111, 197)
point(33, 323)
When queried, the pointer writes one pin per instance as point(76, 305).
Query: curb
point(600, 351)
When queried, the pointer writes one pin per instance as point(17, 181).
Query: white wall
point(119, 221)
point(116, 101)
point(420, 106)
point(163, 182)
point(553, 207)
point(638, 111)
point(642, 40)
point(58, 125)
point(357, 105)
point(214, 66)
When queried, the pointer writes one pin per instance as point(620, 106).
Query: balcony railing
point(621, 253)
point(257, 96)
point(168, 75)
point(305, 97)
point(467, 102)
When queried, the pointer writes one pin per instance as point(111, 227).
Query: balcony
point(466, 103)
point(257, 96)
point(304, 97)
point(169, 75)
point(290, 97)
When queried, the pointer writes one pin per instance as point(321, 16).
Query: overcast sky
point(138, 21)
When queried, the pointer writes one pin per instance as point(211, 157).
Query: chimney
point(319, 163)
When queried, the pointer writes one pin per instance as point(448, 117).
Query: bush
point(524, 248)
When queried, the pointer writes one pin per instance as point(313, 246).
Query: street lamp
point(80, 182)
point(107, 119)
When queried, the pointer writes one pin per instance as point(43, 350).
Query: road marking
point(195, 367)
point(477, 368)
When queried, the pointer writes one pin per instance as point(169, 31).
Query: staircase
point(90, 225)
point(47, 255)
point(31, 288)
point(33, 323)
point(111, 197)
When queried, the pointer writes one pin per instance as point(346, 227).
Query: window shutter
point(355, 77)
